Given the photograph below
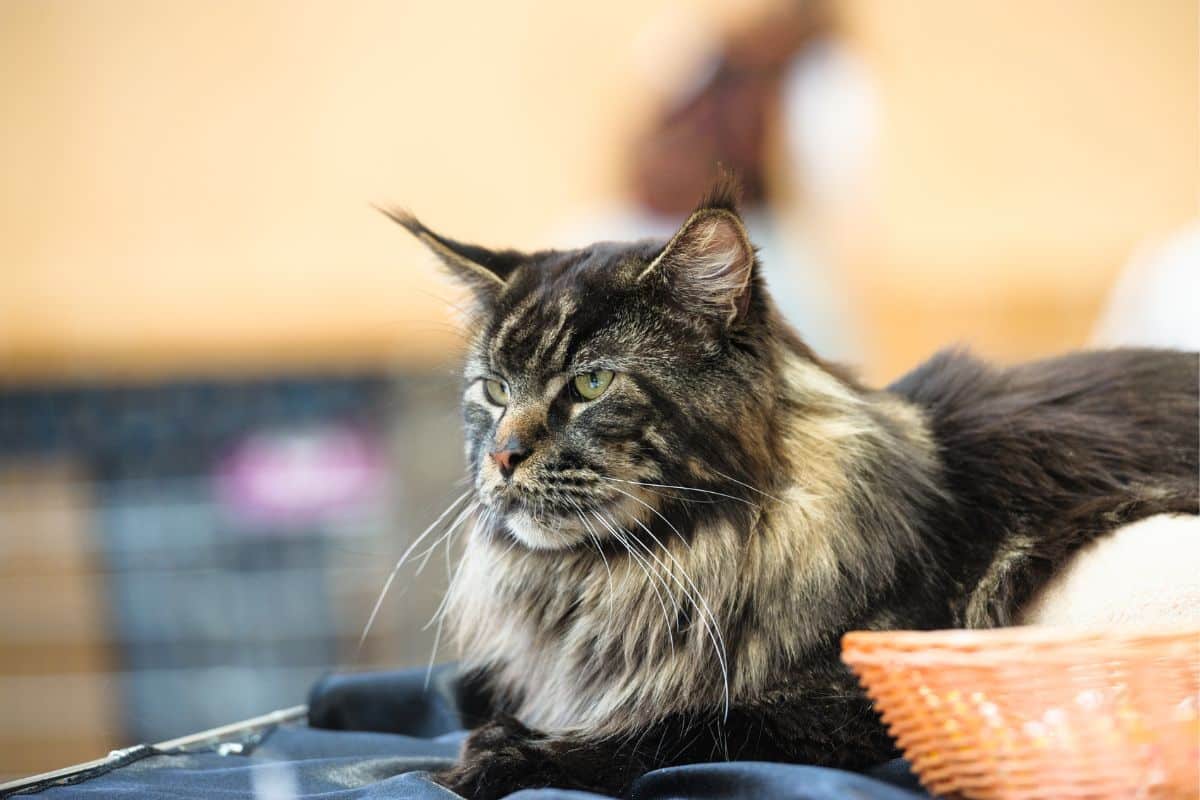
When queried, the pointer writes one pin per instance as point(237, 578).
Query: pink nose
point(509, 456)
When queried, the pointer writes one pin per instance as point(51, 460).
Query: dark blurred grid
point(175, 428)
point(136, 606)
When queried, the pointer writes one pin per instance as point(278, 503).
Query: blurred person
point(773, 90)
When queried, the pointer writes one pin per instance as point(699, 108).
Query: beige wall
point(186, 183)
point(1026, 149)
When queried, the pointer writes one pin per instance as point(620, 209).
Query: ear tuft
point(485, 271)
point(725, 193)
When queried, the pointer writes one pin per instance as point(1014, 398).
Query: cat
point(684, 507)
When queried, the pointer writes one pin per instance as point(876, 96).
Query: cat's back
point(1042, 458)
point(1099, 381)
point(1142, 398)
point(1077, 441)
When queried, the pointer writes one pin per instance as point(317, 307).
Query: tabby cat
point(683, 508)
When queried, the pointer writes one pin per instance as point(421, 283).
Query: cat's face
point(597, 377)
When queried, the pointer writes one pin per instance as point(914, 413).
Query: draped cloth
point(377, 735)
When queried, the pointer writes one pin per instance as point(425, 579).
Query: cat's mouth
point(543, 524)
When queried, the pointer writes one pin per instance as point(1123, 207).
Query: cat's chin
point(538, 535)
point(542, 532)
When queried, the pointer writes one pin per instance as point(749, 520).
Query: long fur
point(666, 577)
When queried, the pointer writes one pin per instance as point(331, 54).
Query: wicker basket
point(1037, 712)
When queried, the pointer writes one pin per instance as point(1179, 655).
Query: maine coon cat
point(683, 508)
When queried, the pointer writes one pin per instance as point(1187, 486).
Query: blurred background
point(227, 385)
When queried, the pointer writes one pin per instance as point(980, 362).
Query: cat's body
point(668, 579)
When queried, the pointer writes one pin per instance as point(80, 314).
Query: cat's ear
point(485, 271)
point(709, 262)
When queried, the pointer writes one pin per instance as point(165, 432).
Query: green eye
point(591, 385)
point(497, 391)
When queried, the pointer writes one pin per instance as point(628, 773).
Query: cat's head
point(600, 381)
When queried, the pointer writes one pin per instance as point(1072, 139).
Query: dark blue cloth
point(376, 736)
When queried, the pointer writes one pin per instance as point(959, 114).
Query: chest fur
point(579, 642)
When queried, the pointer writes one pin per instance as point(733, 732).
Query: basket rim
point(993, 640)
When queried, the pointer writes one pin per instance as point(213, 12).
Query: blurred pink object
point(300, 477)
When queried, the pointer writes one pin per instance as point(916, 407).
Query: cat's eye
point(590, 385)
point(497, 391)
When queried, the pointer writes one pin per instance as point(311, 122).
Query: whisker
point(748, 486)
point(682, 488)
point(440, 613)
point(711, 625)
point(617, 531)
point(599, 549)
point(643, 563)
point(636, 499)
point(480, 523)
point(396, 569)
point(427, 553)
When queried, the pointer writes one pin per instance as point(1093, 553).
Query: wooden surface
point(57, 686)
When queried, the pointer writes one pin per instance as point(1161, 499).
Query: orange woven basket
point(1037, 712)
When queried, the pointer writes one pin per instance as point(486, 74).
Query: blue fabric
point(390, 732)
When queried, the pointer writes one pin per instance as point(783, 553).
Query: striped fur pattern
point(665, 575)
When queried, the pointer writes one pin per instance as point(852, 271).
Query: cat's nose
point(509, 455)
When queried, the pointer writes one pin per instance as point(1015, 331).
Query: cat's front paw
point(496, 760)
